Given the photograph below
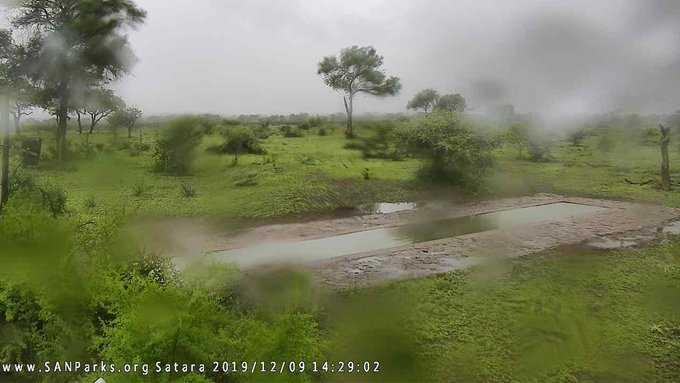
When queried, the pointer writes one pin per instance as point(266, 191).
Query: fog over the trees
point(257, 56)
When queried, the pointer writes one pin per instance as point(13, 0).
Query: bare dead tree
point(665, 163)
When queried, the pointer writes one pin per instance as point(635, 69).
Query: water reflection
point(379, 239)
point(385, 208)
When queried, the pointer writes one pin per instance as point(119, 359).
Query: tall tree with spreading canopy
point(74, 44)
point(15, 74)
point(454, 103)
point(97, 104)
point(126, 117)
point(357, 70)
point(425, 100)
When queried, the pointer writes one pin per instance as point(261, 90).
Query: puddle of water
point(385, 208)
point(379, 239)
point(672, 228)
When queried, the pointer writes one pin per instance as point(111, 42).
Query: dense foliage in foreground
point(84, 292)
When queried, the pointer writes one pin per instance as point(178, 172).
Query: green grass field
point(297, 175)
point(566, 316)
point(315, 174)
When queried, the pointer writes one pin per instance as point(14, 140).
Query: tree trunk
point(129, 131)
point(4, 124)
point(349, 108)
point(93, 122)
point(17, 121)
point(62, 121)
point(80, 124)
point(665, 163)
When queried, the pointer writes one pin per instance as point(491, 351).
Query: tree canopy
point(357, 70)
point(455, 151)
point(97, 104)
point(74, 45)
point(425, 100)
point(126, 117)
point(14, 76)
point(454, 103)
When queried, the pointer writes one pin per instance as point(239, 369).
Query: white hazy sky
point(259, 56)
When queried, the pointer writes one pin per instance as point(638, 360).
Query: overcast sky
point(260, 56)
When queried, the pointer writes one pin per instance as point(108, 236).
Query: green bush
point(54, 200)
point(456, 154)
point(188, 191)
point(110, 301)
point(290, 132)
point(20, 180)
point(139, 189)
point(312, 122)
point(539, 151)
point(377, 145)
point(86, 149)
point(262, 132)
point(90, 203)
point(176, 150)
point(577, 136)
point(239, 141)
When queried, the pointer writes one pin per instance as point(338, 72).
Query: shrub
point(539, 151)
point(86, 149)
point(455, 153)
point(518, 136)
point(239, 141)
point(262, 132)
point(51, 198)
point(54, 200)
point(322, 131)
point(159, 269)
point(90, 203)
point(576, 137)
point(312, 122)
point(176, 150)
point(138, 148)
point(20, 180)
point(142, 146)
point(139, 189)
point(377, 145)
point(188, 191)
point(290, 132)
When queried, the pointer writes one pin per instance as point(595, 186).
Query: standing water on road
point(385, 238)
